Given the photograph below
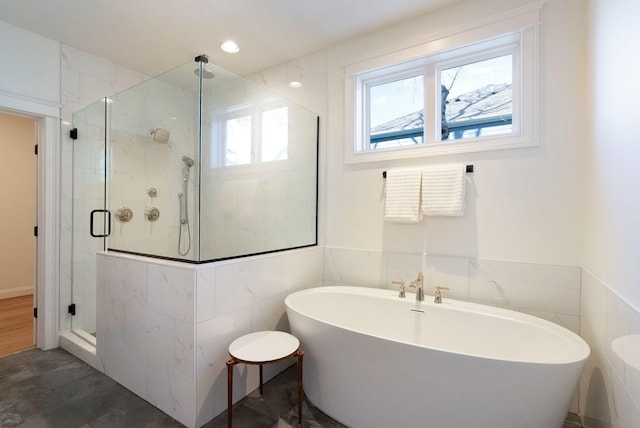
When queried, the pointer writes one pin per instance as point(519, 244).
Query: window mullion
point(432, 105)
point(256, 139)
point(365, 116)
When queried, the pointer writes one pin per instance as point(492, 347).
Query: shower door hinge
point(73, 134)
point(72, 309)
point(35, 312)
point(35, 230)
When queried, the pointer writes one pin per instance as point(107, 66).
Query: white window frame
point(512, 32)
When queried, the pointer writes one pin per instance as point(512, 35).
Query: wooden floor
point(16, 324)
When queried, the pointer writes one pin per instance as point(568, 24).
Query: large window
point(458, 97)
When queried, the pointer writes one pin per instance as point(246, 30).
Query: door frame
point(47, 116)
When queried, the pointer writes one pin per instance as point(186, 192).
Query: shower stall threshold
point(81, 345)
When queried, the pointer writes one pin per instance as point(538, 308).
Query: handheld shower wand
point(184, 207)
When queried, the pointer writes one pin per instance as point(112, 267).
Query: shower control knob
point(152, 214)
point(124, 214)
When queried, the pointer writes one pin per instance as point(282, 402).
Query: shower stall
point(196, 165)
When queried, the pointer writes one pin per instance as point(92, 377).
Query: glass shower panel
point(203, 165)
point(89, 179)
point(153, 154)
point(258, 170)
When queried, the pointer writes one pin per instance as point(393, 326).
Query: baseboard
point(15, 292)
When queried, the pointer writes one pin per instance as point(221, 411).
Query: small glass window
point(254, 135)
point(396, 112)
point(275, 134)
point(238, 141)
point(477, 99)
point(468, 90)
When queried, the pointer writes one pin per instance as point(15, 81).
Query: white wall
point(30, 64)
point(30, 84)
point(610, 317)
point(612, 247)
point(18, 173)
point(522, 203)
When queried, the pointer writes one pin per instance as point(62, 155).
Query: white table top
point(264, 346)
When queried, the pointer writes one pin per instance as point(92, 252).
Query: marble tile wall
point(163, 328)
point(136, 164)
point(145, 330)
point(239, 297)
point(311, 71)
point(610, 385)
point(260, 206)
point(547, 291)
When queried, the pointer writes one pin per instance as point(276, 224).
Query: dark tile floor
point(54, 389)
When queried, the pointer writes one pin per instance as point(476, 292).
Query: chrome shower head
point(188, 161)
point(160, 135)
point(206, 73)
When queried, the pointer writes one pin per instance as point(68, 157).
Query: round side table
point(263, 347)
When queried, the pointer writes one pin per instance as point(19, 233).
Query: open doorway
point(18, 217)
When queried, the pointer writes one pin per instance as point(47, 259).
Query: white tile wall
point(238, 297)
point(163, 328)
point(547, 291)
point(610, 385)
point(145, 330)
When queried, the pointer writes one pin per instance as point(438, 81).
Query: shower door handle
point(108, 231)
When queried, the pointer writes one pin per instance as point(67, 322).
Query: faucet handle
point(438, 295)
point(402, 289)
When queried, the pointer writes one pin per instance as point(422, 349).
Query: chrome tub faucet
point(418, 284)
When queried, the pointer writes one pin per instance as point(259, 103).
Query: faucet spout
point(418, 284)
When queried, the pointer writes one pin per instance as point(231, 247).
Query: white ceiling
point(152, 36)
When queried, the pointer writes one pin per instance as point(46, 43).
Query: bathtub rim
point(582, 352)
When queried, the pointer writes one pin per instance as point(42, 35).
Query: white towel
point(402, 201)
point(443, 190)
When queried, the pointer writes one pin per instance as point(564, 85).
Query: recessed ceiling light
point(295, 84)
point(230, 46)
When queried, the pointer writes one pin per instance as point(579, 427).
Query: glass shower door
point(90, 221)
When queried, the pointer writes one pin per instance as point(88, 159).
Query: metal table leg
point(230, 365)
point(300, 355)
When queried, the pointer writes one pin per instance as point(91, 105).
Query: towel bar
point(469, 170)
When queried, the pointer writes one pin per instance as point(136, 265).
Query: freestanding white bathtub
point(373, 359)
